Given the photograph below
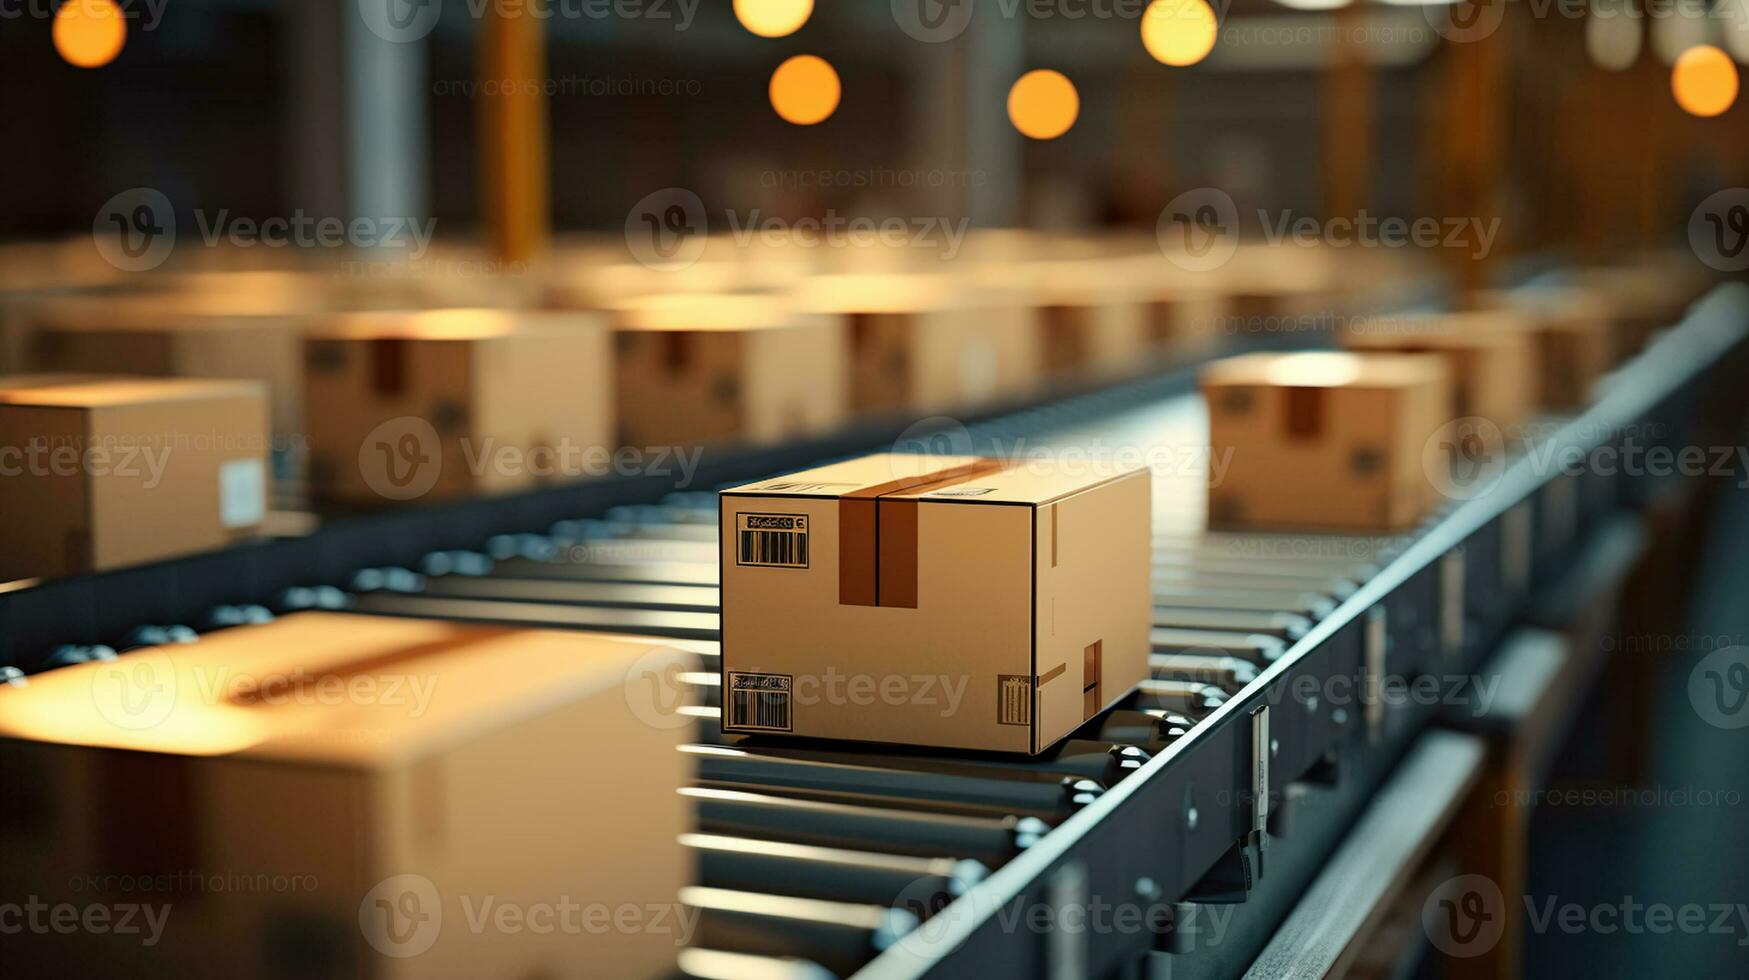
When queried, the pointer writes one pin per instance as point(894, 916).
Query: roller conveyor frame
point(1172, 830)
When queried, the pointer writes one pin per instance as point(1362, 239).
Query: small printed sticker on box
point(962, 492)
point(1013, 699)
point(771, 540)
point(761, 702)
point(242, 492)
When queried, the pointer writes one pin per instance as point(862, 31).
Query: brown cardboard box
point(1325, 439)
point(98, 473)
point(925, 342)
point(198, 335)
point(946, 601)
point(721, 367)
point(449, 402)
point(1575, 345)
point(1094, 322)
point(339, 795)
point(1491, 355)
point(1646, 295)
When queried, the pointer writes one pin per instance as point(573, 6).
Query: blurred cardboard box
point(1575, 344)
point(1492, 356)
point(198, 335)
point(338, 795)
point(1094, 323)
point(927, 342)
point(723, 367)
point(1646, 294)
point(1325, 439)
point(946, 601)
point(100, 473)
point(399, 406)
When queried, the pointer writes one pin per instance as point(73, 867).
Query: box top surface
point(888, 292)
point(98, 391)
point(325, 688)
point(1325, 369)
point(709, 311)
point(192, 310)
point(944, 479)
point(460, 324)
point(1472, 329)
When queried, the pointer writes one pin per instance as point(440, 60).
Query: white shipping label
point(242, 492)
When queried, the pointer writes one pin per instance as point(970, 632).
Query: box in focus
point(705, 368)
point(98, 472)
point(341, 795)
point(925, 343)
point(450, 402)
point(1325, 439)
point(947, 601)
point(1491, 355)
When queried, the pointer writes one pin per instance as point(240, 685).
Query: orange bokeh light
point(1179, 32)
point(1043, 104)
point(89, 33)
point(805, 90)
point(1704, 81)
point(773, 18)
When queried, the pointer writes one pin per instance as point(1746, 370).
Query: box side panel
point(45, 502)
point(931, 675)
point(1094, 602)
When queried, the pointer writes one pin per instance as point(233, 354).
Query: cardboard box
point(99, 473)
point(336, 795)
point(450, 402)
point(1574, 339)
point(1094, 323)
point(1325, 439)
point(946, 601)
point(197, 335)
point(1491, 355)
point(706, 368)
point(926, 343)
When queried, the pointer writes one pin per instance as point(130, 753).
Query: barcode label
point(760, 702)
point(772, 540)
point(1013, 699)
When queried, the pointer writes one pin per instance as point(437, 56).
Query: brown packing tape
point(877, 538)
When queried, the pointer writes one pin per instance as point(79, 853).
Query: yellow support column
point(514, 171)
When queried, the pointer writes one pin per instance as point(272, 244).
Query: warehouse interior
point(625, 488)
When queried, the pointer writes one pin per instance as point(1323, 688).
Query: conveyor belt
point(830, 856)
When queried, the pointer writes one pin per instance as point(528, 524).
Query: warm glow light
point(1613, 39)
point(1179, 32)
point(1704, 81)
point(89, 33)
point(1043, 104)
point(1315, 369)
point(773, 18)
point(804, 90)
